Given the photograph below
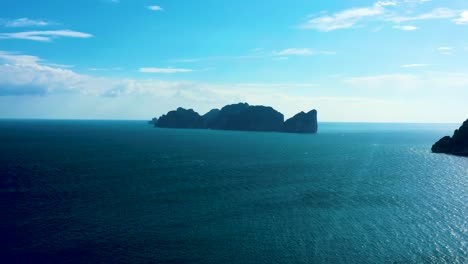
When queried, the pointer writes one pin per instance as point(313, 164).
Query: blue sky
point(364, 61)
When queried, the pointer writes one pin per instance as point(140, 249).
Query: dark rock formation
point(302, 123)
point(181, 118)
point(242, 117)
point(153, 121)
point(457, 144)
point(209, 117)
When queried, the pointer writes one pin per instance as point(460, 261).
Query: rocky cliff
point(180, 118)
point(241, 116)
point(457, 144)
point(302, 123)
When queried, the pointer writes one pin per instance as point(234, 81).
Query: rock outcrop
point(302, 123)
point(181, 118)
point(456, 145)
point(153, 121)
point(209, 117)
point(243, 117)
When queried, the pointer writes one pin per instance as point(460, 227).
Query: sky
point(353, 61)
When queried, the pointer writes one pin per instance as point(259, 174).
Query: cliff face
point(210, 117)
point(457, 144)
point(302, 123)
point(242, 117)
point(153, 121)
point(181, 118)
point(245, 117)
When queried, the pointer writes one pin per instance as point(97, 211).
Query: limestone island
point(242, 117)
point(456, 145)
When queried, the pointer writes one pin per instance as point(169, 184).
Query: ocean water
point(125, 192)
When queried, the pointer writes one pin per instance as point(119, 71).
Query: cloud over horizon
point(45, 36)
point(25, 22)
point(382, 11)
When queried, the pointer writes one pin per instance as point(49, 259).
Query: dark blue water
point(124, 192)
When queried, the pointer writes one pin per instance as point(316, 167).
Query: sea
point(76, 191)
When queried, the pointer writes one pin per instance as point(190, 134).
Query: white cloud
point(396, 81)
point(425, 85)
point(406, 28)
point(386, 3)
point(295, 52)
point(25, 22)
point(45, 36)
point(19, 59)
point(105, 69)
point(384, 11)
point(417, 1)
point(27, 75)
point(58, 65)
point(154, 8)
point(299, 52)
point(410, 97)
point(438, 13)
point(345, 19)
point(260, 54)
point(463, 19)
point(277, 85)
point(23, 74)
point(445, 50)
point(415, 65)
point(164, 70)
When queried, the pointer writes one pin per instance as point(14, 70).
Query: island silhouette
point(456, 145)
point(242, 117)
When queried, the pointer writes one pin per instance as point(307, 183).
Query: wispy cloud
point(384, 11)
point(344, 19)
point(283, 54)
point(300, 52)
point(400, 81)
point(24, 75)
point(438, 13)
point(164, 70)
point(25, 22)
point(295, 52)
point(105, 69)
point(154, 8)
point(44, 36)
point(438, 82)
point(277, 85)
point(463, 19)
point(58, 65)
point(415, 65)
point(405, 27)
point(27, 75)
point(445, 50)
point(18, 59)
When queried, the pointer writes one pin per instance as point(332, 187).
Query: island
point(241, 117)
point(153, 121)
point(456, 145)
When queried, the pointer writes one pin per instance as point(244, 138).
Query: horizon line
point(146, 120)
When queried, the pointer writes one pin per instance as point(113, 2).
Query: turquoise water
point(125, 192)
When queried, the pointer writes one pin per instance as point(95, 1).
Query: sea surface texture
point(125, 192)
